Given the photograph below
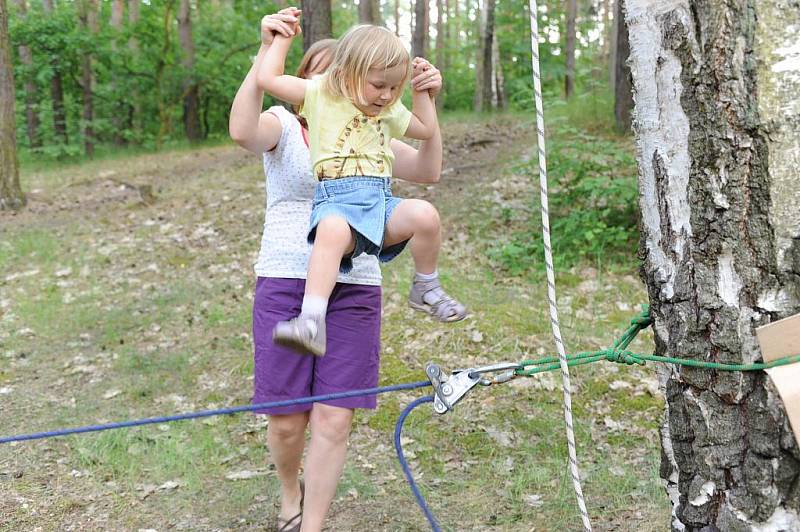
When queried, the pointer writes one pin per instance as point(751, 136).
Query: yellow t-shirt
point(345, 142)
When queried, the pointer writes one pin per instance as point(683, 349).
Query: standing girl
point(354, 313)
point(353, 113)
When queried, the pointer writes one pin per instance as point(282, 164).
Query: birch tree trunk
point(718, 144)
point(11, 196)
point(569, 70)
point(57, 90)
point(31, 115)
point(316, 21)
point(191, 91)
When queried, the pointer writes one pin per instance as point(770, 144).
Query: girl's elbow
point(237, 134)
point(427, 133)
point(265, 83)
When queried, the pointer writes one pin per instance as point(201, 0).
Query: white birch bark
point(716, 87)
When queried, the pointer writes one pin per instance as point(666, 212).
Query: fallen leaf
point(245, 475)
point(533, 499)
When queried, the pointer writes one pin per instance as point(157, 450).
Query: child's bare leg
point(418, 220)
point(306, 333)
point(333, 240)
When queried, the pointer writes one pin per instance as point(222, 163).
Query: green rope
point(619, 353)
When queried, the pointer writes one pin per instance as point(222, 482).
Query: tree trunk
point(87, 16)
point(499, 100)
point(191, 92)
point(369, 12)
point(447, 37)
point(440, 37)
point(117, 13)
point(132, 106)
point(606, 19)
point(119, 109)
point(31, 116)
point(569, 70)
point(419, 40)
point(397, 17)
point(133, 19)
point(316, 21)
point(716, 130)
point(11, 196)
point(623, 89)
point(485, 77)
point(57, 90)
point(612, 58)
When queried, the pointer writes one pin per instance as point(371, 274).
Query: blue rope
point(218, 412)
point(398, 429)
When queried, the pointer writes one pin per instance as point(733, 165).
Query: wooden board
point(781, 339)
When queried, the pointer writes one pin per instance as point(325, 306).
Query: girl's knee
point(333, 228)
point(331, 423)
point(289, 427)
point(426, 216)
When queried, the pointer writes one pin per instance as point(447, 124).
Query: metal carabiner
point(508, 372)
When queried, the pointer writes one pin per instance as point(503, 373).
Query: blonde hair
point(361, 49)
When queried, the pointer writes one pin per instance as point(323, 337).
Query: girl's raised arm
point(271, 78)
point(425, 164)
point(248, 126)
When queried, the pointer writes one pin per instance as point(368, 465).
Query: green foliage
point(593, 195)
point(138, 76)
point(139, 80)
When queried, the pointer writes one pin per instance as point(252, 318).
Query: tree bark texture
point(499, 100)
point(419, 39)
point(87, 15)
point(485, 73)
point(369, 12)
point(117, 13)
point(11, 196)
point(57, 91)
point(134, 7)
point(191, 91)
point(316, 21)
point(718, 146)
point(569, 53)
point(623, 85)
point(31, 103)
point(120, 109)
point(440, 34)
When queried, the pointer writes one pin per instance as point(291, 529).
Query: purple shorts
point(352, 358)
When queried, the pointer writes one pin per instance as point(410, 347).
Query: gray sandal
point(439, 305)
point(304, 334)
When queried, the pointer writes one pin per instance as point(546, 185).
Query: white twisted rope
point(551, 281)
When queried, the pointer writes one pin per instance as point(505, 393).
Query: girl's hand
point(285, 22)
point(425, 77)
